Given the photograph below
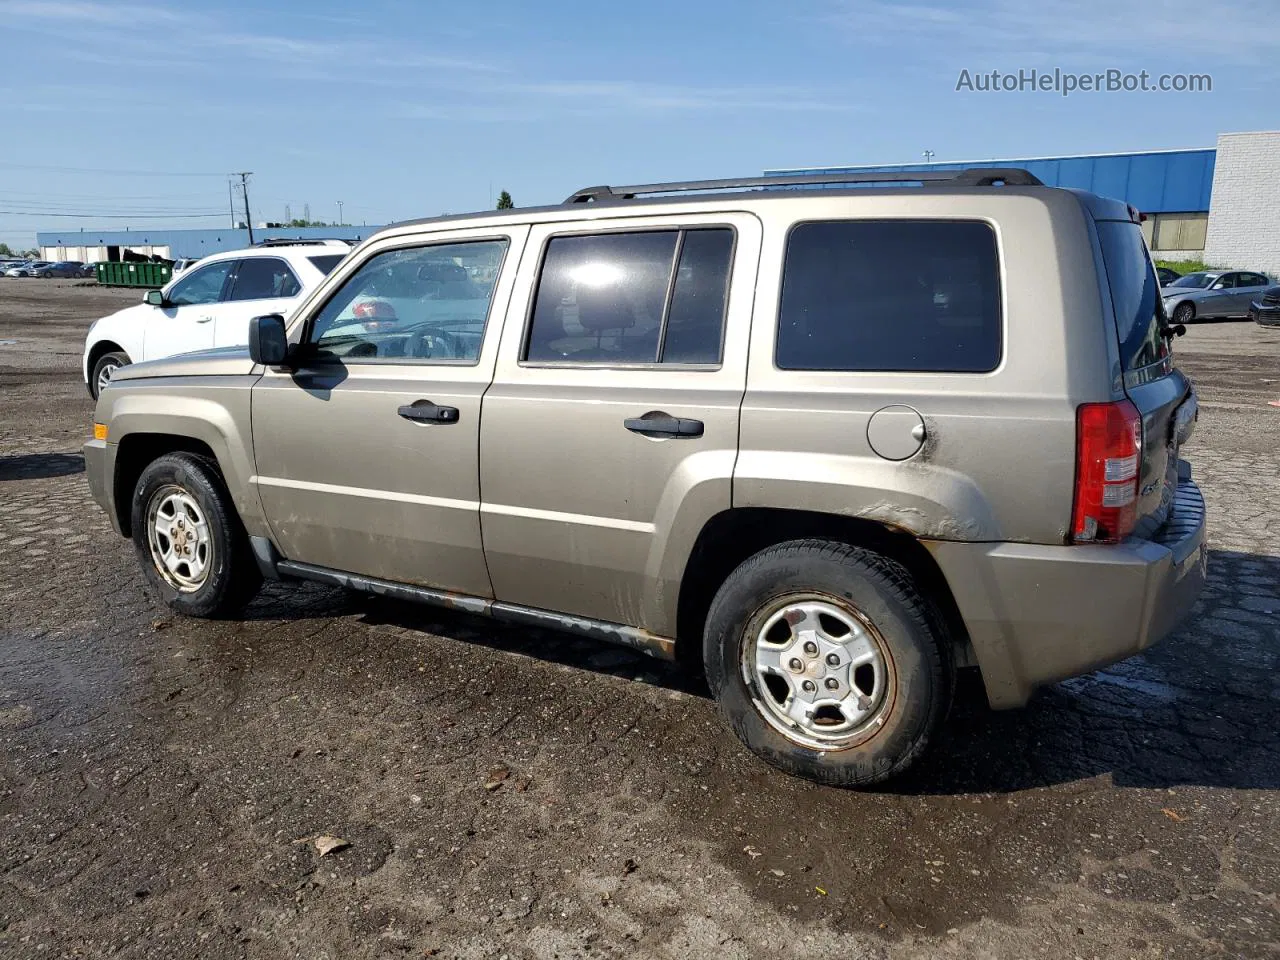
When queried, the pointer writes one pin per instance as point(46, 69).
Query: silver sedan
point(1213, 294)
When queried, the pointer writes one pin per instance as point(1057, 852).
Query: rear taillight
point(1108, 458)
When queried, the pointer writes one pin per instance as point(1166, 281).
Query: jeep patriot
point(828, 445)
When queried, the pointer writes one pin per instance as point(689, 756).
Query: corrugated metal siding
point(1174, 181)
point(193, 243)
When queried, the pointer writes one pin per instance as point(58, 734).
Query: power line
point(113, 216)
point(116, 173)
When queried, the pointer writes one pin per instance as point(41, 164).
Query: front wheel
point(827, 663)
point(189, 539)
point(1185, 313)
point(106, 365)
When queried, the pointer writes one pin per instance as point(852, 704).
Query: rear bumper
point(99, 470)
point(1037, 614)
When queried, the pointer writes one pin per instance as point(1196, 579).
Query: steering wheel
point(433, 341)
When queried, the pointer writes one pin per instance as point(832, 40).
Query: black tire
point(232, 576)
point(116, 358)
point(1184, 313)
point(916, 656)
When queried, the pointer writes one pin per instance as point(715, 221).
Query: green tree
point(504, 201)
point(5, 250)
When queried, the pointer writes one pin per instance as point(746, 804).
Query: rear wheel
point(827, 663)
point(189, 538)
point(1184, 314)
point(103, 369)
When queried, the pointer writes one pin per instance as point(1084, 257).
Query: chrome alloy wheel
point(818, 671)
point(180, 540)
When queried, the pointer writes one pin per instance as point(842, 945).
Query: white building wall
point(1244, 214)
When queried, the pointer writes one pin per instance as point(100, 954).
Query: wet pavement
point(512, 791)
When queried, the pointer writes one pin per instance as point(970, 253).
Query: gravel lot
point(510, 791)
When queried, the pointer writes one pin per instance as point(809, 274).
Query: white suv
point(209, 305)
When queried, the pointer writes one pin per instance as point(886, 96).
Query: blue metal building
point(1172, 187)
point(91, 245)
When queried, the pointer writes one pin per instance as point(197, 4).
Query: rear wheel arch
point(732, 536)
point(136, 452)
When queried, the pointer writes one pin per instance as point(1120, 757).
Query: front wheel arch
point(136, 452)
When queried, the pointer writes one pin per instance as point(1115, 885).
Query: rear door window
point(655, 296)
point(264, 278)
point(1135, 295)
point(890, 295)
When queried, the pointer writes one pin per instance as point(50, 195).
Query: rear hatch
point(1160, 391)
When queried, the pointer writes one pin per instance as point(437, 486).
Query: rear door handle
point(658, 424)
point(424, 411)
point(203, 319)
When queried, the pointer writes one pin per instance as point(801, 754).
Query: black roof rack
point(976, 177)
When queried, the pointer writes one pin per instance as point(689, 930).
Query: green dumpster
point(152, 275)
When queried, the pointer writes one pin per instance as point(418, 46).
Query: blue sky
point(403, 109)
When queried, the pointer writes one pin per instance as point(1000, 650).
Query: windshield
point(1196, 280)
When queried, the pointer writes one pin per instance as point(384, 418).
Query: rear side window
point(650, 297)
point(1135, 294)
point(326, 263)
point(890, 295)
point(264, 278)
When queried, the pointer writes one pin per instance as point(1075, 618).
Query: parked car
point(1265, 311)
point(207, 306)
point(1212, 294)
point(183, 263)
point(90, 270)
point(9, 263)
point(733, 425)
point(62, 268)
point(26, 269)
point(1166, 275)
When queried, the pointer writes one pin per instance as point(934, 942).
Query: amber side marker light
point(99, 431)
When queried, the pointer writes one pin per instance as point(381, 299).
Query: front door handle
point(658, 424)
point(424, 411)
point(203, 319)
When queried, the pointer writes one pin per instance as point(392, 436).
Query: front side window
point(628, 298)
point(264, 278)
point(201, 286)
point(890, 296)
point(419, 303)
point(1195, 281)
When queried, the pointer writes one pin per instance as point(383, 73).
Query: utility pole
point(244, 186)
point(339, 213)
point(231, 202)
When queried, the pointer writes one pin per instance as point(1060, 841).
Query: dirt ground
point(511, 792)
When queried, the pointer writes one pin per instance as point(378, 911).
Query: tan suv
point(830, 443)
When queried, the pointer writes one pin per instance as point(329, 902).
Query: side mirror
point(1220, 285)
point(154, 297)
point(268, 342)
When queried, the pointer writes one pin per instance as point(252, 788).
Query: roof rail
point(975, 177)
point(301, 241)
